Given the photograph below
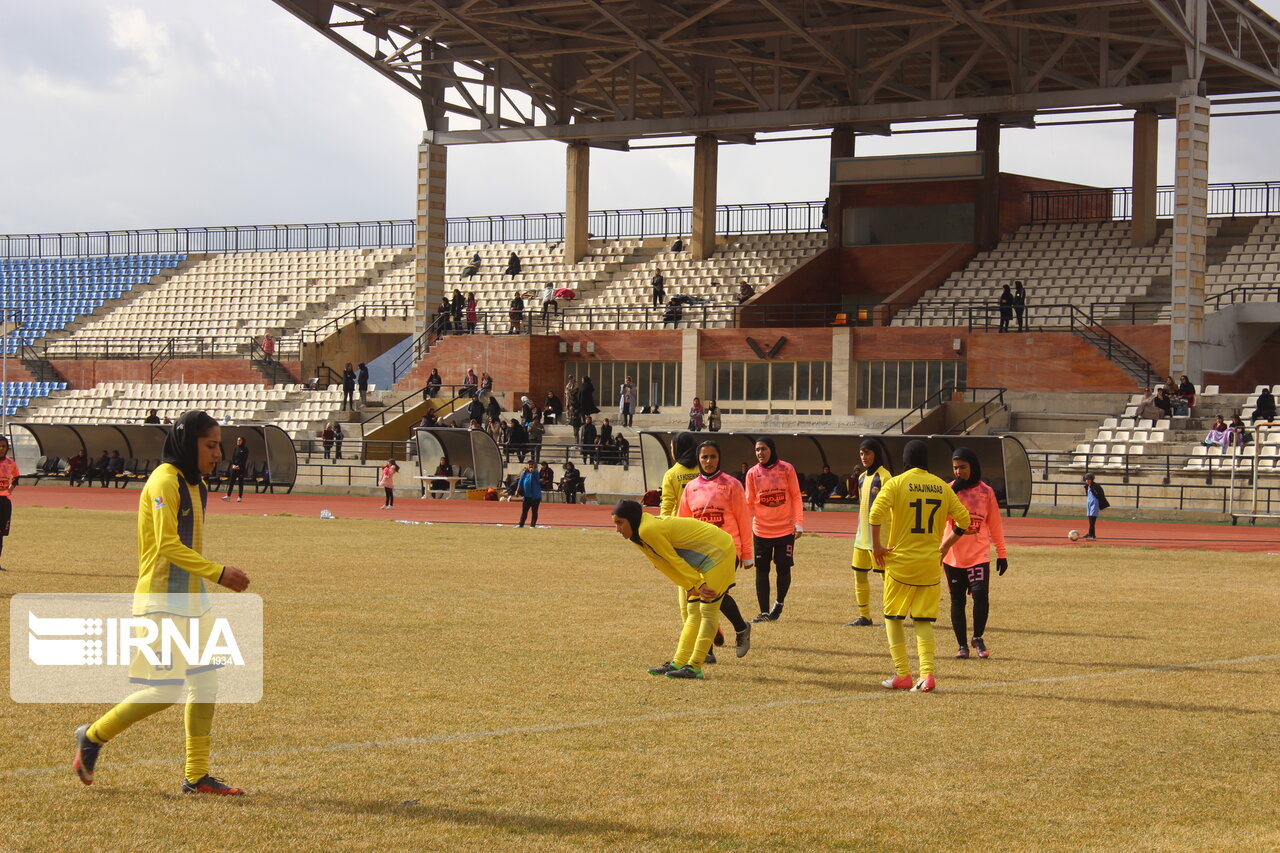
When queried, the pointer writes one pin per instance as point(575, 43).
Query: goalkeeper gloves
point(1002, 565)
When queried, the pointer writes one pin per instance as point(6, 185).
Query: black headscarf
point(882, 458)
point(773, 450)
point(685, 450)
point(702, 470)
point(915, 455)
point(975, 469)
point(181, 448)
point(632, 512)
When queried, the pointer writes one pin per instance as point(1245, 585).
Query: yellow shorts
point(919, 602)
point(863, 561)
point(175, 673)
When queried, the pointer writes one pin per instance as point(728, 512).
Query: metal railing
point(1261, 198)
point(1175, 496)
point(373, 310)
point(946, 394)
point(1244, 293)
point(1128, 464)
point(664, 222)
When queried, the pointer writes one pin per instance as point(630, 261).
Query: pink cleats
point(898, 682)
point(926, 684)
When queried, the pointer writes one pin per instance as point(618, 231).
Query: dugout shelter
point(466, 450)
point(1005, 465)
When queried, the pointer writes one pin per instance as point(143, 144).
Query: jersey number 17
point(918, 505)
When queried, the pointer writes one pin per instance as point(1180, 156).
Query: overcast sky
point(156, 113)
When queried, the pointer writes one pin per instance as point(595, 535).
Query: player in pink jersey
point(716, 498)
point(968, 563)
point(8, 482)
point(773, 494)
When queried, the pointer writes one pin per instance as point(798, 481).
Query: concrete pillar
point(693, 379)
point(843, 392)
point(842, 143)
point(986, 219)
point(429, 234)
point(577, 183)
point(1142, 230)
point(1190, 231)
point(703, 240)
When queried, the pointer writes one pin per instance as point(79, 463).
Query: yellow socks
point(924, 645)
point(898, 646)
point(701, 621)
point(139, 706)
point(862, 592)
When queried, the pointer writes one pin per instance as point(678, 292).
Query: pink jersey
point(387, 479)
point(8, 473)
point(719, 500)
point(985, 527)
point(774, 495)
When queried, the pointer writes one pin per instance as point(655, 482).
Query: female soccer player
point(773, 493)
point(716, 498)
point(968, 563)
point(914, 505)
point(684, 447)
point(170, 540)
point(875, 473)
point(8, 482)
point(701, 559)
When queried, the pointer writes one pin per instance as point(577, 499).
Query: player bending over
point(875, 473)
point(968, 563)
point(915, 505)
point(170, 541)
point(701, 560)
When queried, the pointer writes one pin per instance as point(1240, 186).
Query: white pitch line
point(653, 718)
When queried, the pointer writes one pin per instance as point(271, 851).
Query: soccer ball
point(1073, 535)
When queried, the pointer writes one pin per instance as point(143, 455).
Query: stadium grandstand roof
point(610, 71)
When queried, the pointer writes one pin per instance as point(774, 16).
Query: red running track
point(1018, 531)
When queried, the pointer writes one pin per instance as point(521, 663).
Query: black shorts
point(959, 579)
point(6, 513)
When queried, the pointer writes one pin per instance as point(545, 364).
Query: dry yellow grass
point(456, 687)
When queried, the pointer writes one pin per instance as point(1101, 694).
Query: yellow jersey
point(170, 539)
point(869, 485)
point(688, 551)
point(915, 506)
point(673, 483)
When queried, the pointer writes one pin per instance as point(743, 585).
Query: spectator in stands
point(362, 382)
point(492, 409)
point(473, 313)
point(627, 401)
point(470, 383)
point(338, 436)
point(114, 469)
point(552, 407)
point(678, 245)
point(442, 470)
point(574, 417)
point(166, 420)
point(1163, 402)
point(535, 431)
point(486, 383)
point(153, 417)
point(97, 471)
point(427, 420)
point(326, 439)
point(473, 425)
point(549, 301)
point(1218, 434)
point(673, 315)
point(77, 466)
point(348, 387)
point(659, 288)
point(268, 347)
point(387, 480)
point(237, 469)
point(605, 437)
point(526, 410)
point(622, 449)
point(588, 442)
point(433, 385)
point(497, 429)
point(713, 416)
point(570, 391)
point(517, 440)
point(745, 292)
point(516, 314)
point(1187, 392)
point(741, 476)
point(824, 485)
point(1020, 305)
point(695, 415)
point(571, 483)
point(1237, 434)
point(513, 264)
point(1266, 408)
point(443, 315)
point(457, 306)
point(1006, 308)
point(472, 267)
point(587, 397)
point(475, 410)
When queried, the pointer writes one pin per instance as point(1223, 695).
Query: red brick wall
point(86, 373)
point(1260, 369)
point(884, 269)
point(1015, 212)
point(731, 344)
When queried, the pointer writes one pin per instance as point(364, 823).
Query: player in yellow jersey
point(875, 473)
point(171, 573)
point(915, 506)
point(701, 559)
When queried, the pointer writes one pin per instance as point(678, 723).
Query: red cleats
point(898, 682)
point(926, 684)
